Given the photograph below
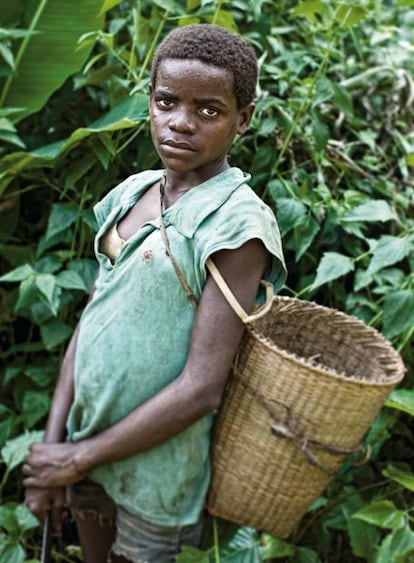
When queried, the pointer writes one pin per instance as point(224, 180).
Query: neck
point(180, 182)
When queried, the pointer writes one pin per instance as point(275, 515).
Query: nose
point(182, 120)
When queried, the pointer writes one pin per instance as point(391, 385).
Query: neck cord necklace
point(166, 242)
point(163, 181)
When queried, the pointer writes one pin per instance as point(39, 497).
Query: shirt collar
point(202, 200)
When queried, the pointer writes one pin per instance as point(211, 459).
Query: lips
point(178, 145)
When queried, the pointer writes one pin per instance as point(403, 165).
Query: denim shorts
point(138, 540)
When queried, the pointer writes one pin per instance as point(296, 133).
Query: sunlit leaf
point(309, 9)
point(402, 399)
point(349, 14)
point(404, 478)
point(397, 546)
point(16, 449)
point(382, 513)
point(398, 312)
point(63, 215)
point(332, 266)
point(18, 274)
point(372, 210)
point(389, 251)
point(275, 547)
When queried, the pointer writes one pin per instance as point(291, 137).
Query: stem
point(150, 51)
point(216, 542)
point(22, 50)
point(217, 11)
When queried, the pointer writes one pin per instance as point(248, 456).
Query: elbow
point(207, 398)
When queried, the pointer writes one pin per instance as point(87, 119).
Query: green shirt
point(135, 332)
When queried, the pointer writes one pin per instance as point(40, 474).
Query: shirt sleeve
point(237, 221)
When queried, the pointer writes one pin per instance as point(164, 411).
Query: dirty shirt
point(135, 333)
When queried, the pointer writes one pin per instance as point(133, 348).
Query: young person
point(129, 429)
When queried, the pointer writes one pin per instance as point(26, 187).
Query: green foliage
point(331, 148)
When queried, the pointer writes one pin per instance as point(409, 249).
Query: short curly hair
point(216, 46)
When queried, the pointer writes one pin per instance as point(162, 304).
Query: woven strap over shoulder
point(232, 301)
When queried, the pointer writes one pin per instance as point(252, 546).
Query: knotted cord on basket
point(289, 431)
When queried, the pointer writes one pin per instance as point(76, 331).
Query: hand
point(41, 501)
point(52, 465)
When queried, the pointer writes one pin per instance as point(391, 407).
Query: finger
point(26, 469)
point(56, 514)
point(32, 482)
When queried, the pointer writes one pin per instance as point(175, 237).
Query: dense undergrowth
point(331, 148)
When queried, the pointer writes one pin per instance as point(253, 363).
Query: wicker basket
point(305, 388)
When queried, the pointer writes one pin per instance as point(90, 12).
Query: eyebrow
point(202, 101)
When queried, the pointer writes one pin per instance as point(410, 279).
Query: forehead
point(193, 75)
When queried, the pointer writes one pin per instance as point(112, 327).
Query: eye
point(209, 112)
point(164, 103)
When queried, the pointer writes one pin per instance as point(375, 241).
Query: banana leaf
point(46, 58)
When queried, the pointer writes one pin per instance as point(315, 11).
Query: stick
point(47, 539)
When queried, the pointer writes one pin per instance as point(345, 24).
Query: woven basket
point(306, 385)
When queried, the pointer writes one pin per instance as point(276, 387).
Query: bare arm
point(39, 501)
point(196, 392)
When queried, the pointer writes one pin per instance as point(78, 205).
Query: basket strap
point(232, 301)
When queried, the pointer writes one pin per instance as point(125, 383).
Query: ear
point(245, 117)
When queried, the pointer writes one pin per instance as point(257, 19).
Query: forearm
point(161, 418)
point(63, 396)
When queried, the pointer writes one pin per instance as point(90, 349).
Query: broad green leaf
point(364, 538)
point(332, 266)
point(11, 552)
point(290, 212)
point(70, 279)
point(372, 210)
point(18, 274)
point(192, 555)
point(16, 449)
point(45, 60)
point(402, 399)
point(46, 284)
point(8, 519)
point(381, 513)
point(125, 114)
point(305, 232)
point(349, 14)
point(404, 478)
point(308, 9)
point(86, 268)
point(25, 518)
point(342, 99)
point(63, 215)
point(54, 333)
point(28, 293)
point(410, 159)
point(398, 544)
point(398, 312)
point(320, 132)
point(108, 4)
point(243, 547)
point(41, 375)
point(35, 405)
point(389, 251)
point(275, 548)
point(324, 90)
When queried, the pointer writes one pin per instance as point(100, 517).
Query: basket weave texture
point(306, 385)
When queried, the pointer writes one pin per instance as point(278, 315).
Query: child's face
point(194, 116)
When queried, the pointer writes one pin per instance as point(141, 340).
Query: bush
point(331, 148)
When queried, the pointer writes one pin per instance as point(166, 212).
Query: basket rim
point(397, 369)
